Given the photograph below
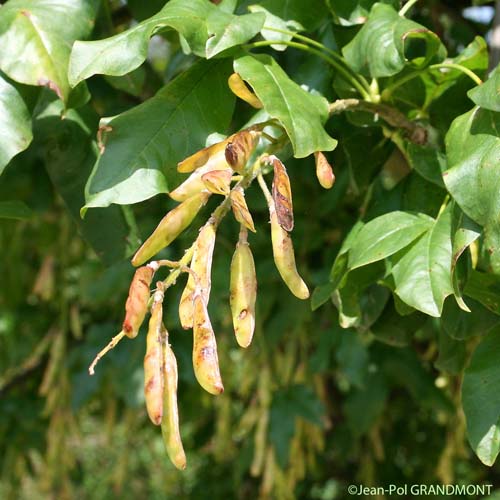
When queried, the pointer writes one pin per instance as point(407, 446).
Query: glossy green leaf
point(487, 95)
point(131, 83)
point(36, 38)
point(69, 155)
point(295, 108)
point(481, 399)
point(14, 209)
point(348, 12)
point(429, 162)
point(386, 235)
point(309, 14)
point(473, 151)
point(146, 143)
point(206, 29)
point(423, 274)
point(15, 123)
point(381, 46)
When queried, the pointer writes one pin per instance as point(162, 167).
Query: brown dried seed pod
point(240, 208)
point(201, 267)
point(284, 257)
point(243, 293)
point(170, 423)
point(324, 171)
point(239, 88)
point(240, 147)
point(218, 181)
point(282, 194)
point(170, 227)
point(136, 306)
point(205, 360)
point(153, 362)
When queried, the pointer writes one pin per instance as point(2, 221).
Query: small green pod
point(205, 359)
point(170, 227)
point(170, 423)
point(153, 362)
point(243, 293)
point(284, 258)
point(201, 267)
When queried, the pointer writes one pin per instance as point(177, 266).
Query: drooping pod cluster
point(222, 169)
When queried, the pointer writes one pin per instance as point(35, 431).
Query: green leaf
point(350, 12)
point(487, 95)
point(429, 162)
point(206, 29)
point(481, 399)
point(386, 235)
point(69, 155)
point(322, 294)
point(146, 143)
point(310, 14)
point(226, 30)
point(14, 209)
point(381, 46)
point(484, 288)
point(36, 38)
point(15, 123)
point(296, 109)
point(423, 274)
point(452, 354)
point(473, 151)
point(132, 83)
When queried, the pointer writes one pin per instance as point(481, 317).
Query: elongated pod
point(239, 88)
point(284, 257)
point(205, 360)
point(201, 267)
point(170, 423)
point(240, 208)
point(170, 227)
point(324, 171)
point(136, 306)
point(153, 362)
point(243, 293)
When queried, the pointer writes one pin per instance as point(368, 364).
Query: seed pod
point(194, 183)
point(240, 147)
point(218, 181)
point(284, 257)
point(170, 227)
point(136, 306)
point(201, 157)
point(240, 208)
point(153, 364)
point(243, 292)
point(324, 171)
point(205, 360)
point(282, 194)
point(239, 88)
point(170, 423)
point(201, 267)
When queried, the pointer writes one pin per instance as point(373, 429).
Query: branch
point(415, 133)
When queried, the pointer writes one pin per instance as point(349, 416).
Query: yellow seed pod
point(240, 147)
point(170, 227)
point(153, 362)
point(170, 423)
point(243, 293)
point(239, 89)
point(240, 208)
point(324, 171)
point(201, 267)
point(194, 183)
point(218, 181)
point(201, 157)
point(284, 257)
point(205, 359)
point(136, 306)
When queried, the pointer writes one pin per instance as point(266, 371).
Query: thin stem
point(319, 45)
point(114, 341)
point(406, 7)
point(265, 189)
point(461, 68)
point(388, 91)
point(344, 73)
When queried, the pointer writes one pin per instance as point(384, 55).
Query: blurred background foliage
point(308, 409)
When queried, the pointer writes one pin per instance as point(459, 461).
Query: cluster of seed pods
point(212, 171)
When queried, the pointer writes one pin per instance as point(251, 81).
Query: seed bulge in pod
point(240, 148)
point(205, 360)
point(170, 227)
